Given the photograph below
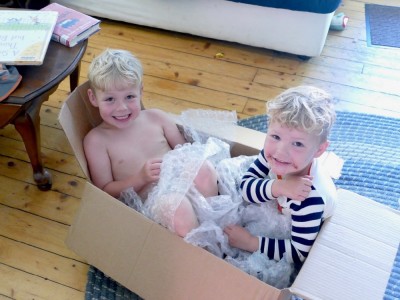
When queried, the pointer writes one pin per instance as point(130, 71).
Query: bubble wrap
point(215, 123)
point(276, 273)
point(178, 170)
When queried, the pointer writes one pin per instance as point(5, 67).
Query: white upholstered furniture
point(297, 32)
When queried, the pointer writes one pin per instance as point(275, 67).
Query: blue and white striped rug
point(370, 146)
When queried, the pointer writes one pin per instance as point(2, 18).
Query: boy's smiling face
point(117, 107)
point(290, 151)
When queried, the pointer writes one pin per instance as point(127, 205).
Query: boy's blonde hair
point(115, 69)
point(304, 107)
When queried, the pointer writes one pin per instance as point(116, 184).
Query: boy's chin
point(116, 125)
point(289, 171)
point(280, 171)
point(284, 170)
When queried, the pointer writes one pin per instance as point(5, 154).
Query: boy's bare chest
point(129, 152)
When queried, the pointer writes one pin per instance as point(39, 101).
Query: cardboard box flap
point(189, 272)
point(98, 226)
point(354, 252)
point(141, 254)
point(77, 120)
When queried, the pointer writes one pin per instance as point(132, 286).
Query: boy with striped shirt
point(287, 169)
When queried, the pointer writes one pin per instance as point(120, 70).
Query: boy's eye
point(130, 97)
point(298, 144)
point(109, 99)
point(275, 137)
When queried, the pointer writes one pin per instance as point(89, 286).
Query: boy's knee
point(206, 180)
point(185, 219)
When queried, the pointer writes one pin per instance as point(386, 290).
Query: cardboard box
point(352, 257)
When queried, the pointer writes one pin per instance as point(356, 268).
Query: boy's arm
point(115, 187)
point(171, 131)
point(98, 160)
point(255, 186)
point(306, 224)
point(293, 187)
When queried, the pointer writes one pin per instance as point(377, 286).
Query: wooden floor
point(181, 72)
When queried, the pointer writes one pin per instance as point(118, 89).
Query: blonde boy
point(126, 149)
point(287, 169)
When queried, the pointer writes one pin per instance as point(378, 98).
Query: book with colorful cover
point(25, 35)
point(72, 26)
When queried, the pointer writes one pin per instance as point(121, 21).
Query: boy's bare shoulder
point(156, 114)
point(153, 112)
point(94, 137)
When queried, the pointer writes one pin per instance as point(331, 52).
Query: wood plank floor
point(181, 72)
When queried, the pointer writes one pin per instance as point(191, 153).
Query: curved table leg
point(28, 126)
point(74, 77)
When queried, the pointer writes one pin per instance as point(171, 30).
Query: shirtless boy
point(127, 148)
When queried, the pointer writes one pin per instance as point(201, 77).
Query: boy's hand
point(239, 237)
point(151, 170)
point(295, 187)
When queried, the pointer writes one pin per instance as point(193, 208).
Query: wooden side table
point(22, 107)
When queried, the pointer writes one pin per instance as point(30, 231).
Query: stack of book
point(72, 26)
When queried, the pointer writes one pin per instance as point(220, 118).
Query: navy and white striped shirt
point(307, 216)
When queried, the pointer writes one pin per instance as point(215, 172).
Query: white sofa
point(297, 32)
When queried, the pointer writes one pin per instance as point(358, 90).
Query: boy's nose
point(281, 149)
point(121, 105)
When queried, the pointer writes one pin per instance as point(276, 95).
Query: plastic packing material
point(210, 121)
point(178, 170)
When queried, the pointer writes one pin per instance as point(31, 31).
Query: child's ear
point(92, 97)
point(321, 149)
